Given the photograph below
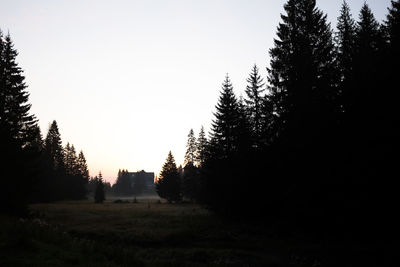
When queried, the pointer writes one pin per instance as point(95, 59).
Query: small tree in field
point(99, 195)
point(168, 185)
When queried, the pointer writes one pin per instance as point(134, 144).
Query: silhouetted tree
point(254, 102)
point(346, 38)
point(224, 131)
point(190, 155)
point(201, 147)
point(189, 174)
point(303, 80)
point(53, 148)
point(99, 194)
point(82, 167)
point(168, 185)
point(70, 160)
point(17, 132)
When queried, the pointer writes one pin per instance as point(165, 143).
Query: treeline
point(32, 169)
point(64, 174)
point(314, 143)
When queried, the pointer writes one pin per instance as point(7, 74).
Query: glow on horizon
point(127, 80)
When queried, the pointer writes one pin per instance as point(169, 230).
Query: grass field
point(147, 233)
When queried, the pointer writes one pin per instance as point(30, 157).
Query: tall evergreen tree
point(17, 132)
point(168, 185)
point(392, 25)
point(15, 119)
point(254, 102)
point(70, 160)
point(302, 74)
point(303, 82)
point(201, 147)
point(82, 167)
point(346, 38)
point(99, 194)
point(53, 148)
point(190, 155)
point(224, 132)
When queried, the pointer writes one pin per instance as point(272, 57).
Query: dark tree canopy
point(224, 132)
point(53, 148)
point(190, 155)
point(18, 132)
point(201, 147)
point(99, 194)
point(168, 185)
point(254, 105)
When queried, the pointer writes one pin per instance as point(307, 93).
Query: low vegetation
point(150, 233)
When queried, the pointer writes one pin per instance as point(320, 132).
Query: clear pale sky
point(127, 80)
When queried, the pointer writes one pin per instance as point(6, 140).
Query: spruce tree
point(345, 38)
point(392, 25)
point(302, 73)
point(15, 120)
point(254, 101)
point(99, 194)
point(17, 132)
point(82, 167)
point(201, 147)
point(168, 185)
point(224, 131)
point(303, 81)
point(190, 155)
point(53, 148)
point(70, 160)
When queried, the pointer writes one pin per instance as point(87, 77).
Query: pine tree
point(15, 120)
point(168, 185)
point(70, 160)
point(224, 132)
point(53, 148)
point(302, 73)
point(190, 155)
point(253, 100)
point(17, 132)
point(99, 195)
point(82, 166)
point(303, 80)
point(201, 147)
point(345, 38)
point(369, 40)
point(392, 25)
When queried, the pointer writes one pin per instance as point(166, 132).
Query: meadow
point(150, 233)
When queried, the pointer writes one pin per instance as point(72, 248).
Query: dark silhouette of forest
point(33, 169)
point(313, 144)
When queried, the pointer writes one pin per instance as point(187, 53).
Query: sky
point(127, 80)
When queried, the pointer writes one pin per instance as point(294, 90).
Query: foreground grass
point(82, 233)
point(141, 234)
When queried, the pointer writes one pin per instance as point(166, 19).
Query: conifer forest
point(297, 170)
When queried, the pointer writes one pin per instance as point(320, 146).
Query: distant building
point(142, 182)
